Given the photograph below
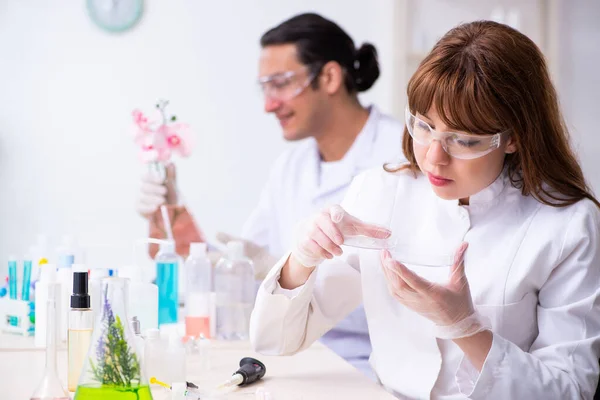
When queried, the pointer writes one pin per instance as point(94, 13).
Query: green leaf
point(118, 365)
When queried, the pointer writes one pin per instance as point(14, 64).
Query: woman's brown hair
point(484, 77)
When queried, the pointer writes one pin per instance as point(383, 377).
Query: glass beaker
point(112, 368)
point(50, 387)
point(371, 201)
point(381, 200)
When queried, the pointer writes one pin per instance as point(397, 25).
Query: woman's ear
point(332, 77)
point(511, 146)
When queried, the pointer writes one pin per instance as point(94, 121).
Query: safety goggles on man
point(458, 145)
point(285, 86)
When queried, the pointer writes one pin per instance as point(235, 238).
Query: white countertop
point(314, 374)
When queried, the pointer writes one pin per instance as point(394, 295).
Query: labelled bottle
point(198, 271)
point(81, 325)
point(167, 280)
point(235, 289)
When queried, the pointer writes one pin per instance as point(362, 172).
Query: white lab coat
point(533, 270)
point(300, 185)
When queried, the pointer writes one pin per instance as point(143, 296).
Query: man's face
point(288, 91)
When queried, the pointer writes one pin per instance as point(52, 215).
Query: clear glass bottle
point(235, 289)
point(81, 324)
point(50, 387)
point(112, 369)
point(198, 287)
point(167, 280)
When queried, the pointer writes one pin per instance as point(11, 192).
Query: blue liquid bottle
point(167, 280)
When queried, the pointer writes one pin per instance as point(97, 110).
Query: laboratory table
point(314, 374)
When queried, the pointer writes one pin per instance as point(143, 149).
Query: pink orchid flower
point(158, 142)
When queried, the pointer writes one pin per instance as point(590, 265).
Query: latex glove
point(155, 192)
point(320, 237)
point(261, 258)
point(449, 306)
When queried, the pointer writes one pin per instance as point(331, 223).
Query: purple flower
point(100, 349)
point(108, 315)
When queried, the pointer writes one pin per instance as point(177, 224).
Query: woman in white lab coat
point(490, 286)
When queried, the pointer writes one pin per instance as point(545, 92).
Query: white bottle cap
point(48, 273)
point(168, 246)
point(198, 249)
point(152, 333)
point(235, 249)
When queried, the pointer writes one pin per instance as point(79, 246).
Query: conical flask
point(50, 387)
point(112, 368)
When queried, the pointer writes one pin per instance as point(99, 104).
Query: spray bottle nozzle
point(80, 297)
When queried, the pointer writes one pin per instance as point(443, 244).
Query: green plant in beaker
point(112, 368)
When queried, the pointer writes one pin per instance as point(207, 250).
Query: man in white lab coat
point(310, 73)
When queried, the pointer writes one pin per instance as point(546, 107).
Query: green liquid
point(85, 392)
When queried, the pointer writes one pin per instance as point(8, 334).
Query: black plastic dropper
point(249, 372)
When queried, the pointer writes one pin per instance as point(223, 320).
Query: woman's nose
point(436, 155)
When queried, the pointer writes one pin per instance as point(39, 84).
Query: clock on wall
point(115, 15)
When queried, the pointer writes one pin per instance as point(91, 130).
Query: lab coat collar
point(355, 160)
point(484, 199)
point(490, 194)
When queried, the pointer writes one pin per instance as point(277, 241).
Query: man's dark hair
point(318, 41)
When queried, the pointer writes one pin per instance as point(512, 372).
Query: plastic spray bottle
point(81, 325)
point(235, 288)
point(198, 288)
point(167, 280)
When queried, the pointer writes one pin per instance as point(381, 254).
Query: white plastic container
point(139, 339)
point(235, 289)
point(65, 259)
point(154, 356)
point(96, 276)
point(175, 360)
point(64, 276)
point(199, 274)
point(143, 298)
point(47, 277)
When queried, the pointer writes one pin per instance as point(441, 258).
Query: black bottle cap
point(80, 297)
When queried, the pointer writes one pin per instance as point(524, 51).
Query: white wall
point(67, 163)
point(579, 83)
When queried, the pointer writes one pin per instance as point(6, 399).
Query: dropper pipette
point(250, 371)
